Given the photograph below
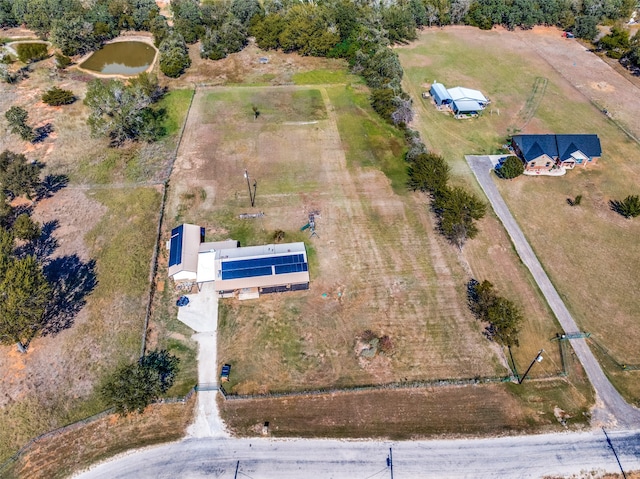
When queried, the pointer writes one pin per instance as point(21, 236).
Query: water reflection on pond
point(121, 58)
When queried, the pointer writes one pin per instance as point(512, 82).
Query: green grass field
point(588, 251)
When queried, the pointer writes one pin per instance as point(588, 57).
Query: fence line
point(378, 387)
point(156, 250)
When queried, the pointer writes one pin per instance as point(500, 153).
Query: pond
point(121, 58)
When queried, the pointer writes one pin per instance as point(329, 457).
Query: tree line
point(327, 28)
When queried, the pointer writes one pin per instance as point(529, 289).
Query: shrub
point(62, 61)
point(629, 207)
point(31, 52)
point(56, 97)
point(512, 167)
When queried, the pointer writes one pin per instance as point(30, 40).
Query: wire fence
point(156, 249)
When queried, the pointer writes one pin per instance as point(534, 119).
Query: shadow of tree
point(50, 185)
point(42, 132)
point(72, 280)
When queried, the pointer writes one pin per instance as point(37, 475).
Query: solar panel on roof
point(259, 262)
point(175, 247)
point(247, 272)
point(291, 268)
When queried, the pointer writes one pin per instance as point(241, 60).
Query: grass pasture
point(98, 236)
point(374, 256)
point(376, 264)
point(589, 252)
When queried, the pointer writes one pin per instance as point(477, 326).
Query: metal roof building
point(440, 94)
point(246, 272)
point(467, 94)
point(466, 107)
point(255, 270)
point(183, 251)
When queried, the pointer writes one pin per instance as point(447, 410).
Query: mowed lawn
point(376, 263)
point(590, 252)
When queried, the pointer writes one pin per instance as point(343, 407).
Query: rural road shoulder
point(611, 409)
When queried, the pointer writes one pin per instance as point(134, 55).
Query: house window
point(532, 164)
point(579, 160)
point(547, 164)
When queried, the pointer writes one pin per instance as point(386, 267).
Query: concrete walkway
point(611, 409)
point(201, 315)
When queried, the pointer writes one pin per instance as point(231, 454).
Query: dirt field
point(589, 252)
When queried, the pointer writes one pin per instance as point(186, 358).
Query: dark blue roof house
point(544, 152)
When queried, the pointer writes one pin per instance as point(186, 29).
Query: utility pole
point(252, 196)
point(537, 359)
point(237, 466)
point(390, 462)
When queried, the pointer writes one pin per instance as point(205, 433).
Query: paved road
point(512, 457)
point(611, 409)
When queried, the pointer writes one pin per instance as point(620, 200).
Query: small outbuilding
point(466, 108)
point(440, 94)
point(184, 246)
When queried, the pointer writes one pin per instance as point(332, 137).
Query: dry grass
point(55, 383)
point(589, 252)
point(400, 414)
point(76, 449)
point(379, 264)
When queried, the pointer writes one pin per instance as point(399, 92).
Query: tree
point(502, 315)
point(403, 113)
point(245, 10)
point(174, 56)
point(504, 319)
point(512, 167)
point(616, 43)
point(57, 96)
point(74, 35)
point(586, 27)
point(17, 118)
point(24, 295)
point(429, 172)
point(134, 386)
point(187, 19)
point(457, 211)
point(629, 207)
point(123, 112)
point(17, 175)
point(25, 228)
point(231, 37)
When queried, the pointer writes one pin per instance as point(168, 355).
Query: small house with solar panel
point(243, 272)
point(183, 252)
